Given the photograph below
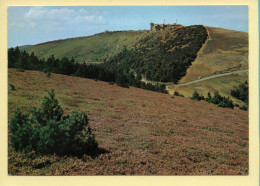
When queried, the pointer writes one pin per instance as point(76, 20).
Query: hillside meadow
point(94, 48)
point(141, 132)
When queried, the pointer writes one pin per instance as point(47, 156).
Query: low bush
point(20, 70)
point(47, 130)
point(241, 92)
point(209, 97)
point(226, 103)
point(11, 87)
point(48, 74)
point(236, 105)
point(196, 96)
point(220, 100)
point(216, 99)
point(244, 107)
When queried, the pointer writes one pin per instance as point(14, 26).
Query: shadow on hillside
point(92, 152)
point(98, 152)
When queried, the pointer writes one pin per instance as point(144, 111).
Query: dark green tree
point(196, 96)
point(47, 130)
point(241, 92)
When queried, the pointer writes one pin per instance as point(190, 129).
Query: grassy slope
point(226, 50)
point(25, 47)
point(145, 132)
point(92, 48)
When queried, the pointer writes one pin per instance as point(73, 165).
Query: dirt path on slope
point(211, 77)
point(169, 85)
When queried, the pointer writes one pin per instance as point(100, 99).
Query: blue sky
point(32, 25)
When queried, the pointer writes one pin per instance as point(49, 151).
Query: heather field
point(141, 132)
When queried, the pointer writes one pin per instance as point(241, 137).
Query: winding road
point(211, 77)
point(169, 85)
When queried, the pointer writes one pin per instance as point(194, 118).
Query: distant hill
point(23, 47)
point(94, 48)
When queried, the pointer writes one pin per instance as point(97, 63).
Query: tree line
point(113, 74)
point(241, 92)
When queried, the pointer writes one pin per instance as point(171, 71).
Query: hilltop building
point(158, 27)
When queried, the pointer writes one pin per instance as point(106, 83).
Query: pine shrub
point(209, 97)
point(219, 100)
point(48, 74)
point(241, 92)
point(196, 96)
point(226, 103)
point(20, 70)
point(244, 107)
point(11, 87)
point(48, 130)
point(236, 105)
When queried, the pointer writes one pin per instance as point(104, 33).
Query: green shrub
point(241, 92)
point(220, 100)
point(236, 105)
point(226, 103)
point(244, 107)
point(47, 130)
point(196, 96)
point(209, 97)
point(216, 99)
point(11, 87)
point(20, 70)
point(48, 74)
